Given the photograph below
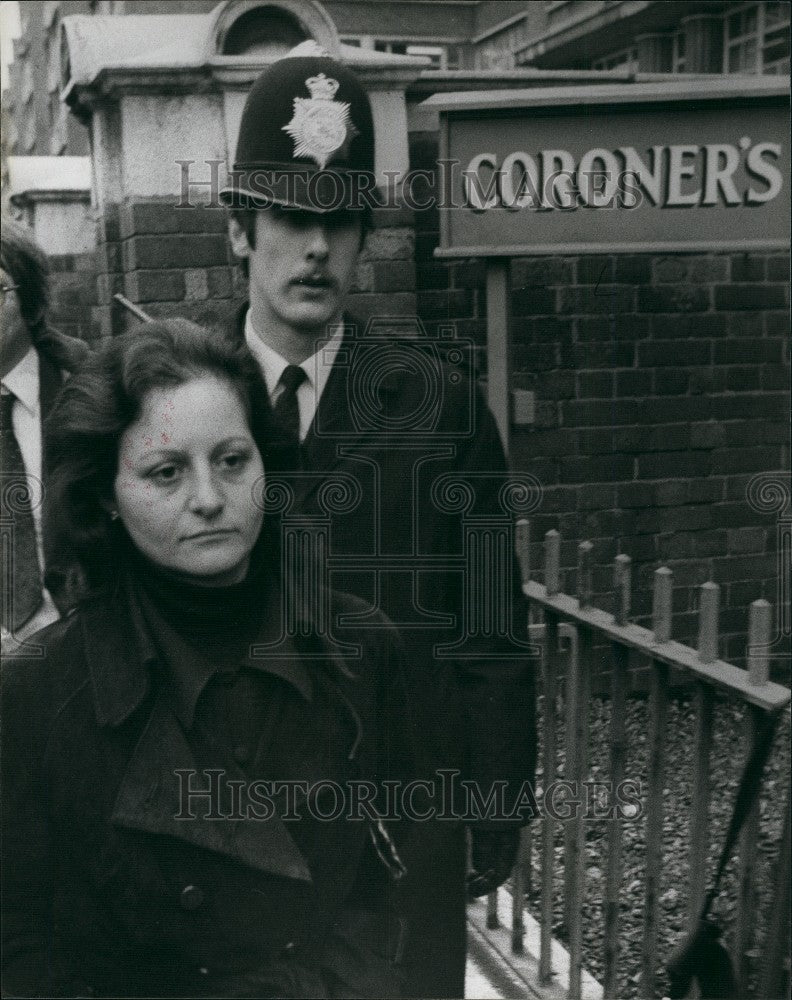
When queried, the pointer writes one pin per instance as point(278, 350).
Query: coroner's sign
point(647, 167)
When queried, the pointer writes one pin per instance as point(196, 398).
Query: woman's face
point(185, 485)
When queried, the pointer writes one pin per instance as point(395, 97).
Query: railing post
point(658, 703)
point(758, 671)
point(619, 677)
point(549, 675)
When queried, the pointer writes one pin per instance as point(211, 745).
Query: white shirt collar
point(23, 381)
point(317, 367)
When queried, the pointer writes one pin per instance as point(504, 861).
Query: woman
point(165, 832)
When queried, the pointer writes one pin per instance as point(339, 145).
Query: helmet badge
point(320, 125)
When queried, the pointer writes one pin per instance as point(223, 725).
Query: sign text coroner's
point(699, 165)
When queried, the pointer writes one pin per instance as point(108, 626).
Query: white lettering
point(598, 186)
point(527, 193)
point(757, 166)
point(677, 170)
point(478, 200)
point(651, 181)
point(558, 173)
point(717, 176)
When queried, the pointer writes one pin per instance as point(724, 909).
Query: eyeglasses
point(5, 289)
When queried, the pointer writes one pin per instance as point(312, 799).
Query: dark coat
point(59, 356)
point(105, 892)
point(411, 440)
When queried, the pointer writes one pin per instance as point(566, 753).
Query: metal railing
point(588, 625)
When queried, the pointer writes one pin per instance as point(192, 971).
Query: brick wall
point(177, 262)
point(73, 295)
point(662, 387)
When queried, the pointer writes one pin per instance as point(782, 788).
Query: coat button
point(191, 897)
point(203, 971)
point(289, 949)
point(242, 755)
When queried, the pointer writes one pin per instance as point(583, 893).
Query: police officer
point(301, 195)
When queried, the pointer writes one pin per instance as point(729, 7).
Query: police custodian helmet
point(306, 139)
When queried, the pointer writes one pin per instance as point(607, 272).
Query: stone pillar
point(703, 43)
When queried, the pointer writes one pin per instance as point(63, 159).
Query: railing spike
point(661, 603)
point(760, 621)
point(522, 545)
point(708, 622)
point(552, 562)
point(622, 584)
point(584, 574)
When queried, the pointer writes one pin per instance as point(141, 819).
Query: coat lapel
point(162, 762)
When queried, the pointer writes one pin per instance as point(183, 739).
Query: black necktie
point(286, 410)
point(20, 586)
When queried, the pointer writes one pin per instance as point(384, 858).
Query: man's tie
point(286, 410)
point(20, 579)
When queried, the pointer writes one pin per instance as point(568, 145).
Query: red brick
point(155, 286)
point(711, 543)
point(396, 304)
point(635, 494)
point(558, 385)
point(732, 515)
point(758, 458)
point(667, 437)
point(665, 409)
point(708, 435)
point(777, 324)
point(596, 496)
point(220, 282)
point(674, 519)
point(593, 412)
point(707, 381)
point(178, 250)
point(441, 305)
point(542, 272)
point(747, 540)
point(533, 301)
point(551, 442)
point(670, 382)
point(773, 406)
point(557, 500)
point(537, 358)
point(613, 299)
point(678, 545)
point(671, 493)
point(676, 326)
point(394, 276)
point(774, 377)
point(674, 353)
point(677, 464)
point(634, 383)
point(706, 490)
point(778, 268)
point(748, 352)
point(547, 413)
point(748, 267)
point(469, 274)
point(602, 469)
point(629, 326)
point(750, 567)
point(606, 354)
point(744, 378)
point(673, 299)
point(595, 384)
point(750, 296)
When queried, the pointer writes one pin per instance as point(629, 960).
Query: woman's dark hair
point(25, 262)
point(100, 401)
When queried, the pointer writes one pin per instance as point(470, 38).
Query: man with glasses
point(34, 359)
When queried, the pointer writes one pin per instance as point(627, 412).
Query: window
point(623, 59)
point(437, 53)
point(756, 39)
point(678, 53)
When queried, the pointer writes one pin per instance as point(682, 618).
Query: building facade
point(659, 382)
